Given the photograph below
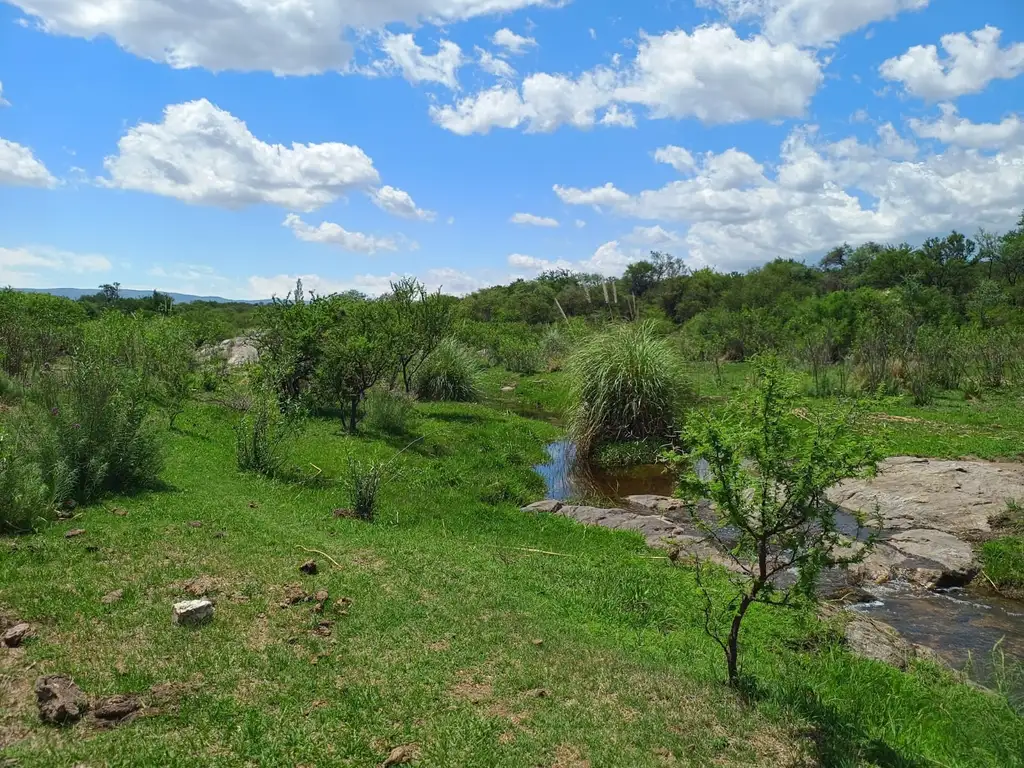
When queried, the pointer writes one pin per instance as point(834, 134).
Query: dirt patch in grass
point(368, 560)
point(475, 692)
point(567, 756)
point(16, 697)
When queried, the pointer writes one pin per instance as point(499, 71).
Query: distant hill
point(127, 293)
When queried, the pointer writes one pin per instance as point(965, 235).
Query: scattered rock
point(192, 612)
point(539, 693)
point(60, 701)
point(510, 388)
point(320, 598)
point(119, 511)
point(74, 532)
point(344, 513)
point(548, 505)
point(538, 642)
point(254, 505)
point(309, 568)
point(16, 635)
point(400, 756)
point(112, 597)
point(323, 629)
point(116, 710)
point(195, 524)
point(294, 593)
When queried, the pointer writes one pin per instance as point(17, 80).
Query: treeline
point(944, 315)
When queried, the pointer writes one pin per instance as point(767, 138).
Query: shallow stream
point(963, 626)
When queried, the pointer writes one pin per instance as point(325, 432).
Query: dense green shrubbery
point(262, 435)
point(626, 384)
point(388, 411)
point(451, 372)
point(36, 330)
point(25, 497)
point(94, 434)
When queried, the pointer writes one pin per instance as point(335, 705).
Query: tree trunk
point(353, 415)
point(732, 647)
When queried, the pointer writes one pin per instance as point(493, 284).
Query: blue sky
point(228, 148)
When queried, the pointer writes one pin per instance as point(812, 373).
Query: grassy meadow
point(470, 632)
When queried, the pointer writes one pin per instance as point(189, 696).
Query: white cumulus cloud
point(334, 234)
point(511, 42)
point(534, 221)
point(43, 267)
point(710, 74)
point(287, 37)
point(419, 67)
point(970, 63)
point(201, 154)
point(494, 65)
point(822, 193)
point(399, 203)
point(813, 22)
point(20, 168)
point(950, 128)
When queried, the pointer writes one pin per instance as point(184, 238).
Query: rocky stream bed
point(918, 593)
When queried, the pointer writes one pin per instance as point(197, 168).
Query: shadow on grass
point(461, 418)
point(837, 741)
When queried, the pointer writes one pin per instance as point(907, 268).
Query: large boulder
point(235, 352)
point(955, 497)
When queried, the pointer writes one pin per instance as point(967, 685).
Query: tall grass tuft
point(625, 384)
point(451, 373)
point(260, 437)
point(364, 480)
point(25, 498)
point(96, 436)
point(388, 412)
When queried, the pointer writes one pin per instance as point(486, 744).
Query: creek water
point(968, 629)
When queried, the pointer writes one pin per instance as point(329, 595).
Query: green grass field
point(476, 634)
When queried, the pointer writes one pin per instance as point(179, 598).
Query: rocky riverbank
point(931, 513)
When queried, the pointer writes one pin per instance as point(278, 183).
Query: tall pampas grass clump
point(626, 384)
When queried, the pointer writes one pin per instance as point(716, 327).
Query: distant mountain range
point(127, 293)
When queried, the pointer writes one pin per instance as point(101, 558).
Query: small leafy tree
point(420, 321)
point(767, 473)
point(358, 353)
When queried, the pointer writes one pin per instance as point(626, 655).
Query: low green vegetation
point(1003, 561)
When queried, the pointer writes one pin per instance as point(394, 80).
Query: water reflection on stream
point(963, 627)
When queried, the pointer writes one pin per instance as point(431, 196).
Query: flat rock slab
point(955, 497)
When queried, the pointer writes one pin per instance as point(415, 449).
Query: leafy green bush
point(25, 498)
point(95, 436)
point(388, 412)
point(626, 384)
point(555, 346)
point(450, 373)
point(520, 356)
point(36, 329)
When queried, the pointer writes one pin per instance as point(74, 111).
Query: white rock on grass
point(193, 612)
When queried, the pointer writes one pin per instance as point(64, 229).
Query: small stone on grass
point(16, 635)
point(192, 612)
point(74, 532)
